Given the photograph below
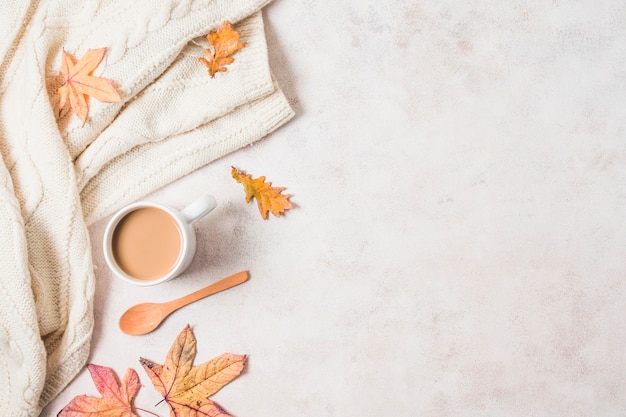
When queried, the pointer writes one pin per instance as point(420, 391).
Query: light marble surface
point(457, 249)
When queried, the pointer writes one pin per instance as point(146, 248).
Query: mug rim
point(112, 226)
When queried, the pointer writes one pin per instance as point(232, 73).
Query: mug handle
point(199, 208)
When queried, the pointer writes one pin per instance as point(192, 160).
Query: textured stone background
point(458, 246)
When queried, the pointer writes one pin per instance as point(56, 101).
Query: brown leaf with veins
point(116, 399)
point(268, 198)
point(187, 388)
point(225, 42)
point(80, 83)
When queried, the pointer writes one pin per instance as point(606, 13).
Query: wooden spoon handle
point(221, 285)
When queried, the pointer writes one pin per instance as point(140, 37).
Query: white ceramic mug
point(119, 229)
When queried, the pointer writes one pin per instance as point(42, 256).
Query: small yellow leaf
point(224, 42)
point(267, 197)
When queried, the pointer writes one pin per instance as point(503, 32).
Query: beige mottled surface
point(458, 246)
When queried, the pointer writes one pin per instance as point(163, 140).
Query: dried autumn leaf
point(187, 388)
point(80, 83)
point(116, 400)
point(267, 197)
point(224, 42)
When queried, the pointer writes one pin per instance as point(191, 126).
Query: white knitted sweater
point(57, 177)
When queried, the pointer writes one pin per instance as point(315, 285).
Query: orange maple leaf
point(187, 388)
point(267, 197)
point(80, 83)
point(224, 42)
point(116, 400)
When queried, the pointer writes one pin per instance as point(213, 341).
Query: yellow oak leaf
point(224, 42)
point(187, 388)
point(80, 83)
point(267, 197)
point(116, 399)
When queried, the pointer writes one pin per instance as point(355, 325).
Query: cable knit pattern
point(57, 177)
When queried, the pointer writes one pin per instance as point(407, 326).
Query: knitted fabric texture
point(57, 177)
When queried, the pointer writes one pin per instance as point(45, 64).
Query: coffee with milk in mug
point(146, 243)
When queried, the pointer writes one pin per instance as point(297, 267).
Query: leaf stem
point(147, 411)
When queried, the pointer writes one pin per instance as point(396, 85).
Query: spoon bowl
point(144, 318)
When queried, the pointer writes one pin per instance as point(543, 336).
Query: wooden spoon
point(144, 318)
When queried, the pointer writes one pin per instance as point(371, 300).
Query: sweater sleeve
point(183, 98)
